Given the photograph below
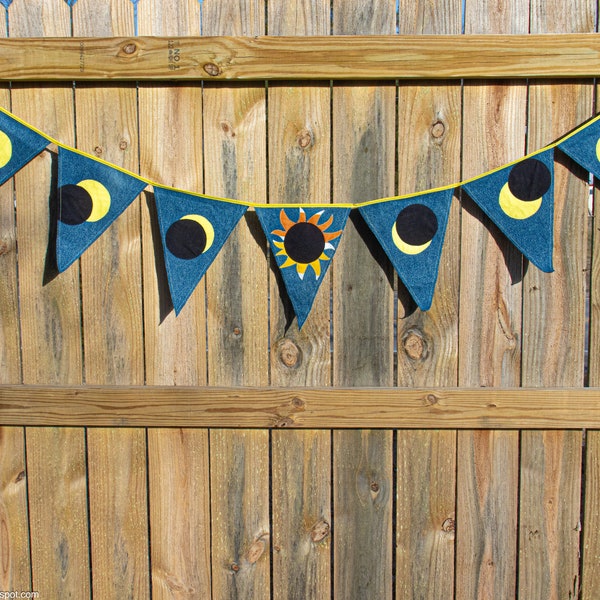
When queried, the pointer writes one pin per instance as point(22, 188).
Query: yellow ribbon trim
point(340, 205)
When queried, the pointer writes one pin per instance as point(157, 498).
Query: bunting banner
point(18, 145)
point(193, 230)
point(303, 240)
point(411, 232)
point(92, 193)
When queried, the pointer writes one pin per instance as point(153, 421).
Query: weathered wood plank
point(299, 158)
point(425, 520)
point(490, 325)
point(239, 484)
point(590, 576)
point(339, 407)
point(317, 57)
point(15, 564)
point(50, 335)
point(178, 470)
point(363, 123)
point(429, 132)
point(237, 309)
point(554, 334)
point(112, 294)
point(15, 572)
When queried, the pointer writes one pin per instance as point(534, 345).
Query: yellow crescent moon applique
point(88, 201)
point(522, 195)
point(190, 236)
point(414, 229)
point(6, 150)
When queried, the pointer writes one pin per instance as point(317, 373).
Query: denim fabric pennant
point(193, 230)
point(519, 199)
point(303, 240)
point(18, 145)
point(91, 196)
point(411, 232)
point(584, 147)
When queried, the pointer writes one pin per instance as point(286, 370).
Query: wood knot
point(237, 332)
point(123, 145)
point(284, 422)
point(374, 487)
point(320, 531)
point(415, 345)
point(212, 69)
point(129, 48)
point(256, 550)
point(448, 526)
point(227, 128)
point(298, 403)
point(438, 129)
point(431, 399)
point(289, 354)
point(98, 150)
point(3, 247)
point(20, 476)
point(304, 139)
point(234, 567)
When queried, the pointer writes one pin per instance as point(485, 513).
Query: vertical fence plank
point(554, 332)
point(15, 564)
point(590, 579)
point(50, 332)
point(112, 294)
point(363, 156)
point(178, 473)
point(299, 152)
point(428, 156)
point(490, 326)
point(237, 287)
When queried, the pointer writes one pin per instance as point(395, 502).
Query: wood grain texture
point(302, 519)
point(429, 131)
point(112, 294)
point(179, 513)
point(299, 171)
point(339, 407)
point(58, 512)
point(228, 58)
point(237, 288)
point(494, 116)
point(241, 538)
point(51, 348)
point(363, 166)
point(15, 571)
point(590, 576)
point(425, 521)
point(178, 469)
point(554, 329)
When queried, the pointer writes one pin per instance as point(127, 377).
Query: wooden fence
point(380, 452)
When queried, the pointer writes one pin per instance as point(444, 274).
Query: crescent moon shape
point(100, 198)
point(407, 248)
point(206, 225)
point(5, 149)
point(598, 149)
point(515, 208)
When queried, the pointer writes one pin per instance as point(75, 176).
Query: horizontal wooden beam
point(318, 57)
point(312, 408)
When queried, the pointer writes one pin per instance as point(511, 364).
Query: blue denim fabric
point(73, 168)
point(584, 148)
point(302, 288)
point(417, 271)
point(533, 236)
point(26, 144)
point(184, 273)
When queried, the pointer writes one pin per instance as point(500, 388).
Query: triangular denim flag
point(519, 199)
point(91, 195)
point(411, 232)
point(303, 240)
point(584, 147)
point(193, 230)
point(18, 145)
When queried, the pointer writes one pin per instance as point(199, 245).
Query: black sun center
point(304, 242)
